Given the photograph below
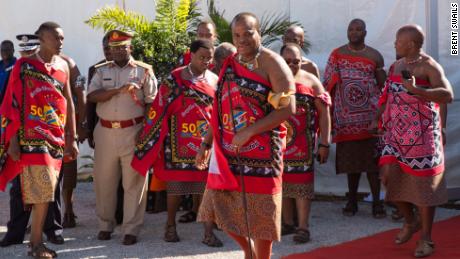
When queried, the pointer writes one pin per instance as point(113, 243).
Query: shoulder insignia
point(142, 64)
point(103, 64)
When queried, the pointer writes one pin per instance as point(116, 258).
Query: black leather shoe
point(6, 242)
point(56, 239)
point(129, 240)
point(104, 235)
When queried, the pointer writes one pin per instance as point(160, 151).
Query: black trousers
point(19, 217)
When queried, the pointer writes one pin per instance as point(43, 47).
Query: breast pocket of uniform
point(107, 81)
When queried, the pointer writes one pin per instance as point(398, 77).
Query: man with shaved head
point(224, 50)
point(253, 97)
point(295, 34)
point(412, 159)
point(354, 76)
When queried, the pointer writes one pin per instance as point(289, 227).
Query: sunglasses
point(294, 61)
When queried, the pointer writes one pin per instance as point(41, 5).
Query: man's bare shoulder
point(62, 63)
point(342, 49)
point(430, 67)
point(430, 63)
point(374, 54)
point(270, 58)
point(309, 66)
point(68, 59)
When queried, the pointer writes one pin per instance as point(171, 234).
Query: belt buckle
point(116, 124)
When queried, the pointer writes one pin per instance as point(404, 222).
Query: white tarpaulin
point(325, 22)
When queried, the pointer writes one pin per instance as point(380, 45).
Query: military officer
point(122, 89)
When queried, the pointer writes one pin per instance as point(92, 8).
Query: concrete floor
point(328, 227)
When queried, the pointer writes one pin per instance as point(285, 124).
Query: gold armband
point(280, 100)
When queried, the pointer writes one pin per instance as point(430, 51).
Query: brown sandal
point(424, 248)
point(40, 251)
point(406, 232)
point(301, 236)
point(212, 241)
point(171, 234)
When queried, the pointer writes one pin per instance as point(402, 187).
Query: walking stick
point(243, 186)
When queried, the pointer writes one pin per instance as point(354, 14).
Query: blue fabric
point(4, 75)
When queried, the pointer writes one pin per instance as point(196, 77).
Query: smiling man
point(254, 96)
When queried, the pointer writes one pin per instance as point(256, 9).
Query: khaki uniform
point(114, 146)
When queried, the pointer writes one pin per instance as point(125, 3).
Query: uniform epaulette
point(142, 64)
point(103, 64)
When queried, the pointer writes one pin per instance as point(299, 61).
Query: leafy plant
point(159, 42)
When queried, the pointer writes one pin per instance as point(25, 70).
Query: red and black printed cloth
point(174, 127)
point(302, 130)
point(355, 93)
point(241, 100)
point(35, 108)
point(412, 130)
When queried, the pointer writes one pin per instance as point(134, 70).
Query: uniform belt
point(121, 124)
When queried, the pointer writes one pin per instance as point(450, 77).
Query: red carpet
point(446, 235)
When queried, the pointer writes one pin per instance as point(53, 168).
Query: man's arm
point(79, 92)
point(324, 122)
point(150, 88)
point(440, 91)
point(98, 94)
point(282, 81)
point(443, 114)
point(380, 74)
point(311, 67)
point(71, 148)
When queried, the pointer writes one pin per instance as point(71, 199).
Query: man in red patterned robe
point(354, 76)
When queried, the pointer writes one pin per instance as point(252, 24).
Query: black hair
point(47, 26)
point(243, 16)
point(200, 43)
point(7, 42)
point(294, 45)
point(358, 20)
point(204, 22)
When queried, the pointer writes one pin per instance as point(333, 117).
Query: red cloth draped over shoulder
point(241, 100)
point(302, 135)
point(174, 127)
point(354, 90)
point(35, 109)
